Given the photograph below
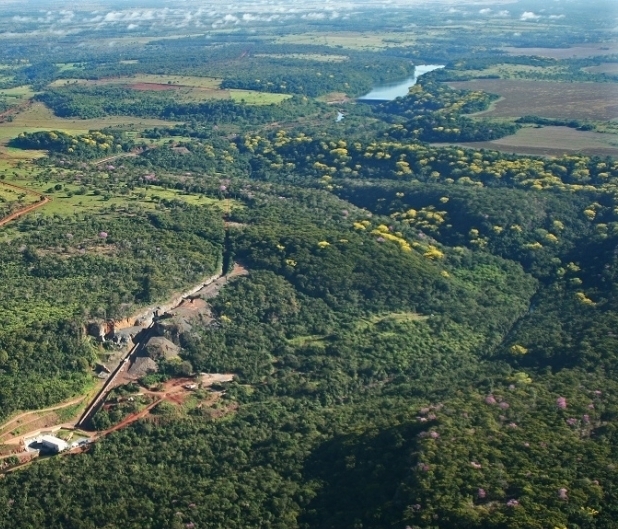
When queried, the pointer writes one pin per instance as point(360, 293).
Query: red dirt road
point(44, 200)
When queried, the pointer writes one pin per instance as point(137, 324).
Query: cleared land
point(552, 141)
point(586, 50)
point(352, 40)
point(69, 201)
point(186, 88)
point(306, 56)
point(595, 101)
point(509, 71)
point(610, 68)
point(38, 117)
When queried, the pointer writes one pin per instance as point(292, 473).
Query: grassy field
point(552, 141)
point(510, 71)
point(585, 50)
point(352, 40)
point(68, 202)
point(320, 57)
point(19, 93)
point(172, 80)
point(39, 117)
point(185, 88)
point(13, 199)
point(594, 101)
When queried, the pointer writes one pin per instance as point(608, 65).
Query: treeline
point(85, 103)
point(571, 123)
point(434, 112)
point(85, 146)
point(281, 154)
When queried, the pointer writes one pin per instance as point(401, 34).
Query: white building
point(54, 443)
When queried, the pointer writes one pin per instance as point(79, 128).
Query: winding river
point(391, 91)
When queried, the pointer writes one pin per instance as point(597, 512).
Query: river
point(391, 91)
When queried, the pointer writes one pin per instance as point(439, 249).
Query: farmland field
point(595, 101)
point(608, 67)
point(553, 141)
point(584, 50)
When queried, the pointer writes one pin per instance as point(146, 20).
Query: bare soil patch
point(595, 101)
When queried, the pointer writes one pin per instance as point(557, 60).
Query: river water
point(391, 91)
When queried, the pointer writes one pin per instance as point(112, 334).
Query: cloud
point(485, 11)
point(556, 16)
point(529, 15)
point(314, 16)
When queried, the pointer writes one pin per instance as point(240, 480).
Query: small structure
point(54, 444)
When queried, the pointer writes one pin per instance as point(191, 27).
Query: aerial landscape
point(346, 264)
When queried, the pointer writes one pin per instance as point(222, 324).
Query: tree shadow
point(367, 479)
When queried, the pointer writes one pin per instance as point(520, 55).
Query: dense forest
point(422, 336)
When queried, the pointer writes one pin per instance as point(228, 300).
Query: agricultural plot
point(610, 68)
point(553, 141)
point(594, 101)
point(577, 52)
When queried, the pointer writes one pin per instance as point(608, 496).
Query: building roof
point(58, 444)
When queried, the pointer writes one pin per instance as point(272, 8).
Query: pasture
point(552, 141)
point(72, 199)
point(38, 117)
point(9, 195)
point(592, 101)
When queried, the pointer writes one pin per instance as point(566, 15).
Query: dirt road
point(43, 200)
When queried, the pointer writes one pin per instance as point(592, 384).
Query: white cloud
point(529, 15)
point(485, 11)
